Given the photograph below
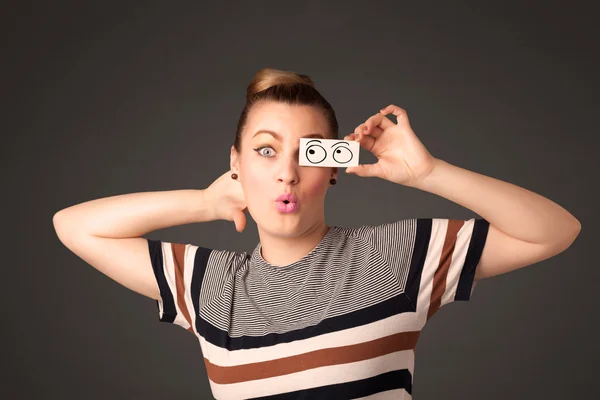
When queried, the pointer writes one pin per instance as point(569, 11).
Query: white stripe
point(432, 260)
point(396, 394)
point(406, 321)
point(322, 376)
point(458, 260)
point(169, 269)
point(189, 256)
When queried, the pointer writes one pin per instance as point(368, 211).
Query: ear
point(335, 172)
point(234, 164)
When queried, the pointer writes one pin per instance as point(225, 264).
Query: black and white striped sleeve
point(179, 271)
point(434, 259)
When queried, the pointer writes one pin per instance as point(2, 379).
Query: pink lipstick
point(286, 203)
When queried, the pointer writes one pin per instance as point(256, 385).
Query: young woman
point(315, 311)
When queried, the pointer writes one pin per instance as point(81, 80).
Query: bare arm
point(134, 214)
point(106, 232)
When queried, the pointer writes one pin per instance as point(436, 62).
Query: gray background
point(102, 99)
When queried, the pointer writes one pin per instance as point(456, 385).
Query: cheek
point(317, 188)
point(251, 173)
point(254, 187)
point(253, 177)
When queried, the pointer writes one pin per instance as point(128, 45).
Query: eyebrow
point(334, 144)
point(278, 137)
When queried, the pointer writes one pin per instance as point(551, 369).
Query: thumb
point(366, 170)
point(239, 219)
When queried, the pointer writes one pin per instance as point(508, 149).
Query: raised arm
point(106, 233)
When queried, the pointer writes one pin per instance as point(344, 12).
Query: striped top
point(340, 323)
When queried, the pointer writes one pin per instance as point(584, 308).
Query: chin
point(284, 226)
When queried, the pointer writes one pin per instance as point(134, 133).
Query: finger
point(364, 170)
point(379, 121)
point(239, 220)
point(398, 112)
point(366, 142)
point(363, 129)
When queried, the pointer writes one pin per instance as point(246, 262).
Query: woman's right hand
point(227, 198)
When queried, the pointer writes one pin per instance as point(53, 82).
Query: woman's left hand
point(402, 158)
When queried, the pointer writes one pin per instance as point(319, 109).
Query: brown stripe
point(313, 359)
point(441, 274)
point(178, 250)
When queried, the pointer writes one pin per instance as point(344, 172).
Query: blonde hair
point(289, 87)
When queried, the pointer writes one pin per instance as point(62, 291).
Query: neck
point(281, 251)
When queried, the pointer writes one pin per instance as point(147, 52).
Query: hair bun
point(284, 87)
point(269, 77)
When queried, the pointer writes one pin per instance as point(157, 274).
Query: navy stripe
point(421, 247)
point(467, 275)
point(400, 379)
point(395, 305)
point(200, 263)
point(156, 258)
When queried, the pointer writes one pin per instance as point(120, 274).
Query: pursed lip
point(289, 197)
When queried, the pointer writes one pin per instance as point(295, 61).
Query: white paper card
point(328, 152)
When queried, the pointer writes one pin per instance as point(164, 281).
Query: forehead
point(286, 119)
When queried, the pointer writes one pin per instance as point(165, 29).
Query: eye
point(258, 150)
point(315, 153)
point(342, 155)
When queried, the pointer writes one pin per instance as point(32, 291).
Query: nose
point(287, 171)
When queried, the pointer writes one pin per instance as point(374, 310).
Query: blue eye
point(263, 147)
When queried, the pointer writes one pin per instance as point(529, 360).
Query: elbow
point(59, 221)
point(570, 236)
point(56, 219)
point(57, 224)
point(575, 229)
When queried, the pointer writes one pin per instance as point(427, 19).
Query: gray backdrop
point(103, 99)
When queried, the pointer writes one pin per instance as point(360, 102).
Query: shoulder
point(195, 252)
point(227, 258)
point(371, 231)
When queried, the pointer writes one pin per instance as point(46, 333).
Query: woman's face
point(268, 167)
